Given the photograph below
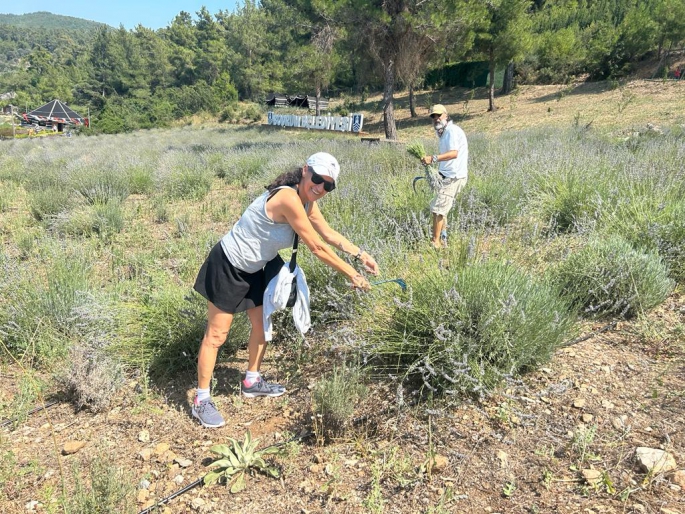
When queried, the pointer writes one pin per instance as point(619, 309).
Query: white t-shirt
point(453, 138)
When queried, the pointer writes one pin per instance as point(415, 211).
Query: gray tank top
point(256, 239)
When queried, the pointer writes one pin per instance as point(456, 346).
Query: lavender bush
point(464, 331)
point(608, 277)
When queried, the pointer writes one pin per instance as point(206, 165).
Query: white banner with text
point(351, 123)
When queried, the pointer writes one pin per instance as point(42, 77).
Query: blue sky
point(153, 14)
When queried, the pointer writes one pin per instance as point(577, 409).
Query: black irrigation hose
point(605, 328)
point(32, 411)
point(197, 482)
point(172, 496)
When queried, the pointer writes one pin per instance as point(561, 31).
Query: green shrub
point(229, 114)
point(608, 277)
point(108, 218)
point(163, 332)
point(253, 112)
point(76, 222)
point(45, 203)
point(5, 199)
point(140, 180)
point(38, 315)
point(567, 200)
point(464, 332)
point(183, 175)
point(334, 400)
point(242, 168)
point(159, 205)
point(653, 223)
point(107, 489)
point(100, 184)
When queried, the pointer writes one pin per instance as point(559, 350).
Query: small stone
point(619, 423)
point(145, 454)
point(607, 404)
point(71, 447)
point(143, 495)
point(503, 458)
point(178, 479)
point(592, 476)
point(587, 418)
point(184, 463)
point(31, 506)
point(679, 478)
point(197, 503)
point(654, 461)
point(144, 484)
point(440, 462)
point(144, 436)
point(579, 403)
point(161, 448)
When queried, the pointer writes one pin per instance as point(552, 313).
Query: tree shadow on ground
point(586, 88)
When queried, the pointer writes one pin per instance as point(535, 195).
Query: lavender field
point(102, 238)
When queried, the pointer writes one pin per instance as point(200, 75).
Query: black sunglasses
point(318, 179)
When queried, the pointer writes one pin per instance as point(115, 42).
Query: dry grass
point(608, 106)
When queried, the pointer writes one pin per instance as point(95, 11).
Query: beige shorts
point(444, 198)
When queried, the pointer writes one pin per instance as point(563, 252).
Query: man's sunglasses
point(318, 179)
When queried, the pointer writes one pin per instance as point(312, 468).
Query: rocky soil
point(567, 438)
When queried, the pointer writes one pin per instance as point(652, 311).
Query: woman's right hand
point(360, 282)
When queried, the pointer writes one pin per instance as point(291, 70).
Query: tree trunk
point(508, 83)
point(318, 95)
point(491, 96)
point(412, 106)
point(388, 98)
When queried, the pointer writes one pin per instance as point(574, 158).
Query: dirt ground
point(528, 449)
point(562, 440)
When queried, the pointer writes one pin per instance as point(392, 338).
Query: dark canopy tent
point(55, 113)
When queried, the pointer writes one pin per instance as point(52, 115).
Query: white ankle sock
point(202, 394)
point(251, 377)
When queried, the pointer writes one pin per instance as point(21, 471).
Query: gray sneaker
point(205, 411)
point(261, 388)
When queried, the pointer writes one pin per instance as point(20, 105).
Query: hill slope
point(47, 20)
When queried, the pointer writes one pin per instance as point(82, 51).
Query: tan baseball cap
point(438, 109)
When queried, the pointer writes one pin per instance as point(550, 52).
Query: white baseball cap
point(324, 164)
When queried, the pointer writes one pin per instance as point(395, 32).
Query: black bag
point(273, 267)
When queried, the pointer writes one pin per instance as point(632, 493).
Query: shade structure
point(55, 112)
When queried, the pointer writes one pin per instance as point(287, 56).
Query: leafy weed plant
point(239, 459)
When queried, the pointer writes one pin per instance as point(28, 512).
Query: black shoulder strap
point(293, 259)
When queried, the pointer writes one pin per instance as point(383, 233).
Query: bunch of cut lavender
point(416, 149)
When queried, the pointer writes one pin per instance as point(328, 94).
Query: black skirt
point(228, 288)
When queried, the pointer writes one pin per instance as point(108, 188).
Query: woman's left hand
point(369, 263)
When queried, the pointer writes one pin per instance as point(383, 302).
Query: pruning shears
point(398, 281)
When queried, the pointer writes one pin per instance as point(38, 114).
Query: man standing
point(452, 158)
